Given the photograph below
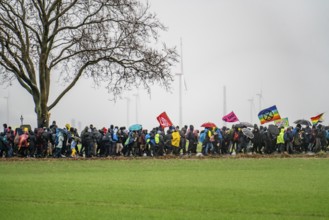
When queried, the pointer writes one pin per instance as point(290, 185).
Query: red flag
point(230, 117)
point(164, 120)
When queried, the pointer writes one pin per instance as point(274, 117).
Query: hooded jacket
point(280, 137)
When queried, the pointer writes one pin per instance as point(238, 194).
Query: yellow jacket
point(175, 141)
point(280, 137)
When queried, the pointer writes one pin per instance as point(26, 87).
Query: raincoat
point(280, 137)
point(175, 141)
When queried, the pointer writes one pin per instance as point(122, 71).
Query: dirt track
point(184, 157)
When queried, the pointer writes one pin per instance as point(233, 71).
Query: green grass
point(294, 188)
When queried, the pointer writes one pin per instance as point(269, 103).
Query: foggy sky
point(278, 47)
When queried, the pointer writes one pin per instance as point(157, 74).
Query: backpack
point(189, 135)
point(3, 139)
point(19, 131)
point(202, 136)
point(39, 133)
point(147, 137)
point(58, 130)
point(219, 134)
point(106, 138)
point(286, 137)
point(56, 139)
point(157, 138)
point(236, 136)
point(46, 135)
point(297, 140)
point(2, 143)
point(130, 139)
point(115, 137)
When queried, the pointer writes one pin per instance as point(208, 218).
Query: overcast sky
point(278, 47)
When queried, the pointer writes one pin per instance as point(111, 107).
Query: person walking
point(280, 141)
point(192, 139)
point(59, 143)
point(175, 140)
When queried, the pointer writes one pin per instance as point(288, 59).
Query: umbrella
point(248, 133)
point(244, 124)
point(274, 130)
point(135, 127)
point(303, 122)
point(208, 125)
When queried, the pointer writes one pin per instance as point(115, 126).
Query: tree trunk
point(42, 116)
point(106, 42)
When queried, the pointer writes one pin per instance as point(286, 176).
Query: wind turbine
point(128, 105)
point(180, 75)
point(7, 104)
point(136, 100)
point(260, 96)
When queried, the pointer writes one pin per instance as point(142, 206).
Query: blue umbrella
point(135, 127)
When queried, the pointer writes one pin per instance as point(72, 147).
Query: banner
point(231, 117)
point(317, 119)
point(269, 114)
point(283, 122)
point(164, 120)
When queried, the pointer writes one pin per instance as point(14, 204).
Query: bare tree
point(108, 41)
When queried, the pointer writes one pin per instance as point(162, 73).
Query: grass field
point(294, 188)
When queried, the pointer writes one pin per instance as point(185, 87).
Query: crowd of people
point(66, 141)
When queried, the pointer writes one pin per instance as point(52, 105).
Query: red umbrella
point(208, 125)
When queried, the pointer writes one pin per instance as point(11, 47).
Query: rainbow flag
point(283, 122)
point(316, 119)
point(269, 114)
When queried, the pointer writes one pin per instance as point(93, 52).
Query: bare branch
point(112, 42)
